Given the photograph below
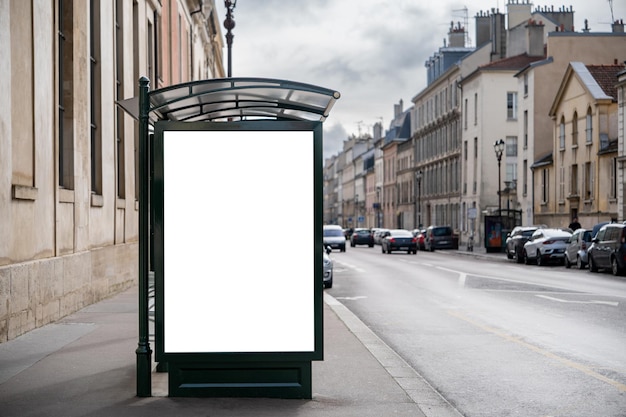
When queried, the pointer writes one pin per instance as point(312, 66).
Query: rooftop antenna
point(359, 123)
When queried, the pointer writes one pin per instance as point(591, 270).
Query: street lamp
point(356, 210)
point(229, 24)
point(498, 147)
point(418, 207)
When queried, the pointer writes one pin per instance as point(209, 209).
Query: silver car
point(546, 246)
point(577, 246)
point(328, 270)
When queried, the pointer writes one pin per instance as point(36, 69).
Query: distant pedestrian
point(574, 224)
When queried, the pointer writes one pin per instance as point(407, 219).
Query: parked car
point(546, 246)
point(440, 237)
point(399, 240)
point(577, 246)
point(515, 240)
point(328, 269)
point(420, 235)
point(608, 249)
point(334, 237)
point(379, 235)
point(362, 236)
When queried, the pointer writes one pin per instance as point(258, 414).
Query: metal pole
point(229, 24)
point(144, 353)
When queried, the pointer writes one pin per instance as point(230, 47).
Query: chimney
point(482, 28)
point(618, 26)
point(497, 31)
point(535, 38)
point(456, 36)
point(518, 12)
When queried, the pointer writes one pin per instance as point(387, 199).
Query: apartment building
point(538, 85)
point(583, 175)
point(68, 165)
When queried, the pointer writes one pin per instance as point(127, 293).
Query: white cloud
point(371, 51)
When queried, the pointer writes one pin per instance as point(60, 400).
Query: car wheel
point(508, 254)
point(615, 268)
point(567, 263)
point(539, 261)
point(414, 251)
point(526, 258)
point(382, 248)
point(592, 265)
point(352, 244)
point(519, 258)
point(579, 263)
point(371, 245)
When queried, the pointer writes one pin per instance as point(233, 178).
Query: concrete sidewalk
point(84, 365)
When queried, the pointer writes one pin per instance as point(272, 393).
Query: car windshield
point(332, 232)
point(363, 232)
point(442, 231)
point(401, 233)
point(587, 236)
point(528, 233)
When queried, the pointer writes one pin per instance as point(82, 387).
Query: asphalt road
point(495, 338)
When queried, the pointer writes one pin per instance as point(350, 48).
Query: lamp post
point(378, 210)
point(356, 210)
point(229, 24)
point(418, 207)
point(498, 147)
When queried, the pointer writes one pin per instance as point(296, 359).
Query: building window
point(573, 185)
point(589, 127)
point(588, 181)
point(562, 133)
point(465, 115)
point(511, 171)
point(525, 177)
point(613, 179)
point(65, 94)
point(561, 183)
point(95, 102)
point(525, 129)
point(575, 129)
point(511, 146)
point(511, 105)
point(119, 92)
point(525, 85)
point(545, 182)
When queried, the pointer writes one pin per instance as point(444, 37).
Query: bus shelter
point(219, 161)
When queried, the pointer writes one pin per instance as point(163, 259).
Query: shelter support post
point(143, 351)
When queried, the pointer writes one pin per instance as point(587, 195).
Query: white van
point(334, 237)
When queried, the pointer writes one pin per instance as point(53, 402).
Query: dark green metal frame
point(268, 374)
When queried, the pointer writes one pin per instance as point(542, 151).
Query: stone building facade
point(68, 153)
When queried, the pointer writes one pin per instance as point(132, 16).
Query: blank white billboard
point(238, 241)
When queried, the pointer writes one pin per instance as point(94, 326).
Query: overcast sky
point(371, 51)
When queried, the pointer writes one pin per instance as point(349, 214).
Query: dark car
point(440, 237)
point(334, 237)
point(608, 249)
point(399, 240)
point(577, 247)
point(362, 236)
point(515, 242)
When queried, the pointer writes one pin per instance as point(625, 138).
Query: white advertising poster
point(238, 241)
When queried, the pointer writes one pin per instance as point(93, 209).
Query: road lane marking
point(358, 297)
point(608, 303)
point(568, 363)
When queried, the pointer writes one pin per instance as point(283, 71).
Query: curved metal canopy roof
point(233, 99)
